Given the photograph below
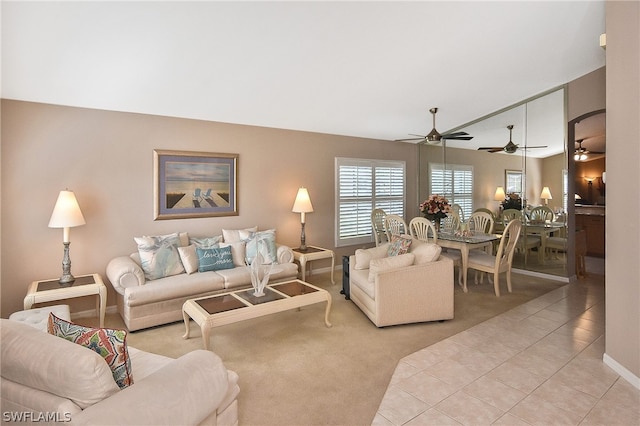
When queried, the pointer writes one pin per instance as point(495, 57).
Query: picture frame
point(513, 181)
point(190, 184)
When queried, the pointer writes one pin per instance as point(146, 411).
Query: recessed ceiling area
point(363, 69)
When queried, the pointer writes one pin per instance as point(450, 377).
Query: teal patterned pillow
point(108, 343)
point(263, 242)
point(214, 259)
point(399, 245)
point(159, 256)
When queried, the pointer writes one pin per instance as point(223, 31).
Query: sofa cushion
point(263, 242)
point(241, 276)
point(41, 361)
point(399, 245)
point(238, 250)
point(110, 344)
point(159, 255)
point(386, 263)
point(206, 242)
point(425, 252)
point(173, 287)
point(233, 235)
point(189, 258)
point(364, 256)
point(214, 259)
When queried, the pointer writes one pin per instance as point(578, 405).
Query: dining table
point(466, 242)
point(543, 230)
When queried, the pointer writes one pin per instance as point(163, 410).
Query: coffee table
point(239, 305)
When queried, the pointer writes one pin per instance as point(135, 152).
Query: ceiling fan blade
point(540, 146)
point(412, 134)
point(457, 138)
point(491, 148)
point(410, 139)
point(454, 134)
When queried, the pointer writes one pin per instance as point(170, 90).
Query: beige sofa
point(414, 287)
point(47, 379)
point(146, 303)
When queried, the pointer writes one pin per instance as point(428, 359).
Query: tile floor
point(537, 364)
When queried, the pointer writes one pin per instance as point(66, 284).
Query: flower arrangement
point(435, 207)
point(512, 201)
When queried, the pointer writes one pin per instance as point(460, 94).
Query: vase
point(260, 272)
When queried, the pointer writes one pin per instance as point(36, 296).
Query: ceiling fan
point(435, 137)
point(510, 147)
point(581, 153)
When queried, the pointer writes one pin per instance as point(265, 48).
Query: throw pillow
point(237, 252)
point(206, 242)
point(399, 245)
point(189, 258)
point(108, 343)
point(426, 252)
point(233, 235)
point(159, 256)
point(214, 259)
point(387, 263)
point(365, 256)
point(263, 242)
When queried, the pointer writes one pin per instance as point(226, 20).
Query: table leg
point(205, 330)
point(464, 250)
point(326, 312)
point(101, 304)
point(303, 267)
point(185, 317)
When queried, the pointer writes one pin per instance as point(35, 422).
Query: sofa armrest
point(284, 254)
point(124, 272)
point(184, 392)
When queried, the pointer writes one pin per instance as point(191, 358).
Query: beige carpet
point(295, 371)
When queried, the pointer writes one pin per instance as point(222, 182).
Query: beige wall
point(107, 159)
point(623, 175)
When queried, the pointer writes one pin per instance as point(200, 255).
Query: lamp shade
point(499, 195)
point(66, 213)
point(546, 194)
point(303, 202)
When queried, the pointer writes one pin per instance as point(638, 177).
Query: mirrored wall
point(534, 171)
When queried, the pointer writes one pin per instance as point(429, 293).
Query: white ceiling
point(366, 69)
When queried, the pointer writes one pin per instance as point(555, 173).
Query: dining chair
point(451, 223)
point(527, 242)
point(481, 222)
point(422, 229)
point(377, 225)
point(458, 210)
point(541, 214)
point(394, 225)
point(503, 259)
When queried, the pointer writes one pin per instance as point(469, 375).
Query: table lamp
point(302, 205)
point(546, 195)
point(499, 195)
point(66, 214)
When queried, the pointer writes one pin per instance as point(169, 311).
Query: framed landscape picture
point(194, 184)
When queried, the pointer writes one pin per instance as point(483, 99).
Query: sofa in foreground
point(393, 287)
point(153, 283)
point(47, 379)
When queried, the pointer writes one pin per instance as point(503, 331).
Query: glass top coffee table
point(239, 305)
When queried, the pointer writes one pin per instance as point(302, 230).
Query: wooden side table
point(313, 253)
point(85, 285)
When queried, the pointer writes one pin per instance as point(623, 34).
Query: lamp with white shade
point(66, 214)
point(546, 195)
point(302, 205)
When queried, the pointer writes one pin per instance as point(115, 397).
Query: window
point(361, 186)
point(565, 190)
point(455, 182)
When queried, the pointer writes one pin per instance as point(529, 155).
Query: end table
point(85, 285)
point(313, 253)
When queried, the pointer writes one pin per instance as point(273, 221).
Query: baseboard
point(622, 371)
point(541, 275)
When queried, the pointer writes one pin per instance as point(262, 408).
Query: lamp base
point(66, 279)
point(303, 245)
